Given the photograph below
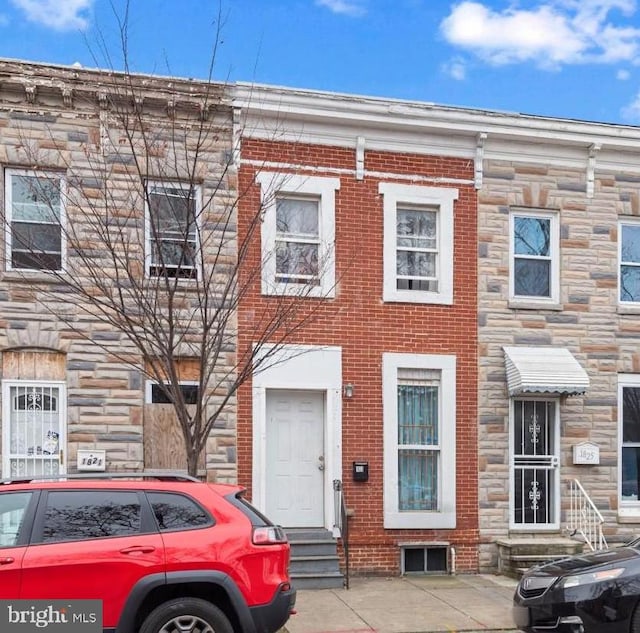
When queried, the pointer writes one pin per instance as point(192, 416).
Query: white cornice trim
point(323, 117)
point(591, 168)
point(479, 159)
point(360, 143)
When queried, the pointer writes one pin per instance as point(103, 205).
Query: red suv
point(164, 553)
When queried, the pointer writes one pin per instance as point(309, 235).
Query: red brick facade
point(365, 327)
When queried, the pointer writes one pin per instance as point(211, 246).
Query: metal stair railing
point(342, 523)
point(585, 518)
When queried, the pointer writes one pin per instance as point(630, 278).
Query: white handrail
point(584, 518)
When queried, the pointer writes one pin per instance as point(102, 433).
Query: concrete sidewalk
point(412, 604)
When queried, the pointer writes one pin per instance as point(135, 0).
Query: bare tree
point(137, 230)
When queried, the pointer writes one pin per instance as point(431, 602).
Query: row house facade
point(377, 391)
point(559, 370)
point(444, 303)
point(97, 174)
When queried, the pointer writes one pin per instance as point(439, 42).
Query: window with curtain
point(298, 234)
point(417, 249)
point(418, 439)
point(417, 243)
point(297, 240)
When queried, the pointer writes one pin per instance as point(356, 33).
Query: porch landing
point(516, 555)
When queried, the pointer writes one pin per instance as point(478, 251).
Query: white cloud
point(552, 34)
point(456, 68)
point(631, 112)
point(60, 15)
point(623, 74)
point(353, 8)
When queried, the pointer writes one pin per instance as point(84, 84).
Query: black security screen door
point(535, 463)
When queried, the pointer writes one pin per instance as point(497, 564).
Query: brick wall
point(365, 328)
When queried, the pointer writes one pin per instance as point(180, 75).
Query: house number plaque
point(586, 453)
point(91, 460)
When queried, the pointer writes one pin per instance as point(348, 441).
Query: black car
point(592, 593)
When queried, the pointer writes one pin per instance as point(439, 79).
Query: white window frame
point(197, 192)
point(625, 508)
point(554, 256)
point(442, 198)
point(445, 516)
point(148, 389)
point(271, 186)
point(8, 205)
point(622, 224)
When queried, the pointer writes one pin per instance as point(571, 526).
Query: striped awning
point(551, 370)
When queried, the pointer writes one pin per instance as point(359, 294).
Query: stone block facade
point(103, 135)
point(588, 319)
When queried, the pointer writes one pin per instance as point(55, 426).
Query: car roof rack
point(160, 475)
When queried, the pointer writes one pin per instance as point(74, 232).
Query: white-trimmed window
point(629, 443)
point(418, 243)
point(298, 234)
point(419, 417)
point(34, 234)
point(171, 217)
point(629, 258)
point(534, 253)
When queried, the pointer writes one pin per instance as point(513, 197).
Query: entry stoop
point(516, 555)
point(314, 559)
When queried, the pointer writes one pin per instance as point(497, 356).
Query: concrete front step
point(316, 547)
point(523, 558)
point(314, 559)
point(314, 581)
point(516, 555)
point(314, 565)
point(308, 534)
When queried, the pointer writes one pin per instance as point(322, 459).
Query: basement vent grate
point(424, 559)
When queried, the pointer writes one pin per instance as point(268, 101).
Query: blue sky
point(577, 59)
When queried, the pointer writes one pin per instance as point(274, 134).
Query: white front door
point(295, 458)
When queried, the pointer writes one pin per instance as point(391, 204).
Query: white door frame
point(308, 368)
point(554, 465)
point(6, 420)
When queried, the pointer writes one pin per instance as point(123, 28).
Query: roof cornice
point(34, 84)
point(315, 116)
